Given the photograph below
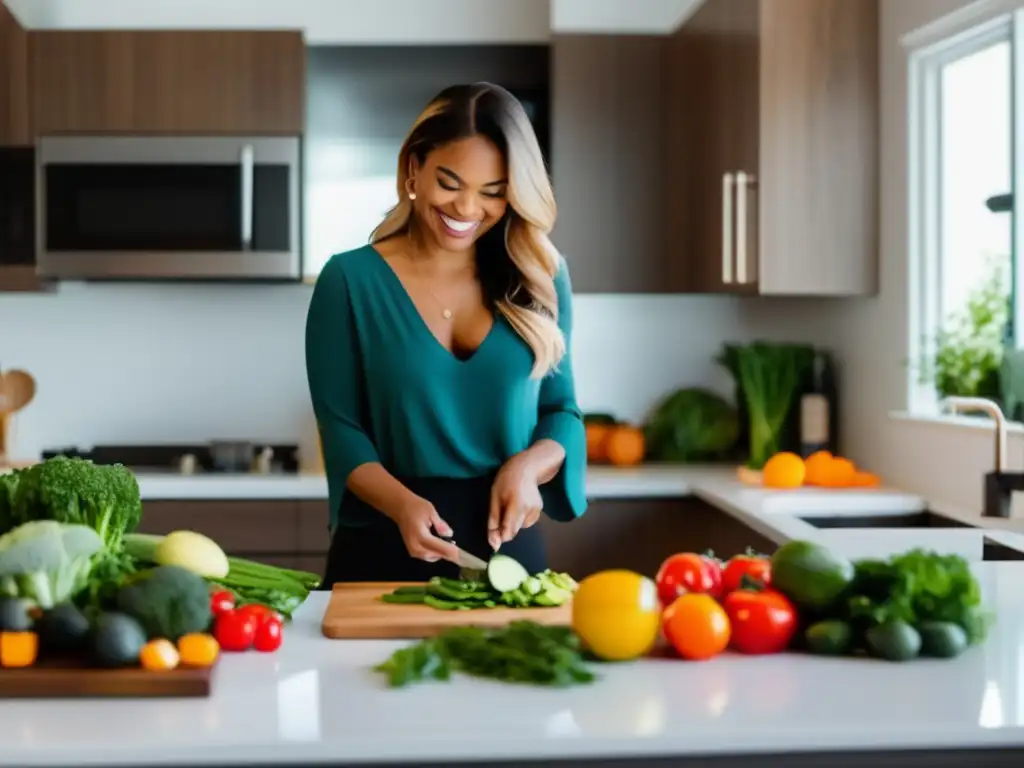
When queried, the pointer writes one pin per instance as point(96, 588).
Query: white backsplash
point(165, 363)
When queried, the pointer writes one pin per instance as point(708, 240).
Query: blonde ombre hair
point(516, 260)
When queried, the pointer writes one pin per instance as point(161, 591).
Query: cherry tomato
point(235, 631)
point(755, 569)
point(198, 649)
point(688, 573)
point(696, 626)
point(221, 601)
point(259, 612)
point(269, 635)
point(762, 621)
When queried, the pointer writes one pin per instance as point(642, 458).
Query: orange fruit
point(863, 479)
point(625, 446)
point(817, 467)
point(597, 436)
point(841, 473)
point(696, 626)
point(784, 470)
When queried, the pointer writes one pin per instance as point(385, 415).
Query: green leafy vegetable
point(77, 491)
point(46, 562)
point(768, 378)
point(916, 587)
point(692, 424)
point(523, 652)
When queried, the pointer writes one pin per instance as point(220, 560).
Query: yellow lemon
point(616, 614)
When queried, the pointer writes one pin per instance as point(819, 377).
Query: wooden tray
point(356, 611)
point(60, 680)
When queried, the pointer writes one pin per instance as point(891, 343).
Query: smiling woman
point(438, 356)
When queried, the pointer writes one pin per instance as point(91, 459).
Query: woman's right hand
point(421, 526)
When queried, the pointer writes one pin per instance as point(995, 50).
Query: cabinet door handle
point(727, 181)
point(743, 182)
point(248, 163)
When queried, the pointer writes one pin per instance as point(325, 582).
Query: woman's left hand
point(515, 500)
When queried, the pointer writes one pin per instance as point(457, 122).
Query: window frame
point(930, 50)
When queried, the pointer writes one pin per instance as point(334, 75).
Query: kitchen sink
point(994, 552)
point(921, 519)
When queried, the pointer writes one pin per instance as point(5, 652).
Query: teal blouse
point(385, 390)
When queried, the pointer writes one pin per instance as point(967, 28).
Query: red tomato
point(259, 612)
point(221, 601)
point(269, 635)
point(235, 631)
point(756, 569)
point(688, 573)
point(762, 621)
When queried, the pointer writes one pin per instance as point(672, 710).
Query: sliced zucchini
point(505, 574)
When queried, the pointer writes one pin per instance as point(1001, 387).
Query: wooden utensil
point(19, 389)
point(356, 611)
point(63, 681)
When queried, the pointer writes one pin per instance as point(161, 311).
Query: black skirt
point(376, 552)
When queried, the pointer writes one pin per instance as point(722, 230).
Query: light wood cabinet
point(169, 82)
point(15, 103)
point(607, 162)
point(773, 158)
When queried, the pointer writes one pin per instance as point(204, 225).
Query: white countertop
point(317, 700)
point(602, 482)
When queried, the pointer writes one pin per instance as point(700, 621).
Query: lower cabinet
point(637, 534)
point(285, 533)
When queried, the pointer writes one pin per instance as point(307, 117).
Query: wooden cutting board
point(64, 681)
point(356, 612)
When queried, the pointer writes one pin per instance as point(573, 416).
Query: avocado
point(809, 574)
point(15, 615)
point(942, 639)
point(829, 638)
point(117, 640)
point(894, 640)
point(63, 629)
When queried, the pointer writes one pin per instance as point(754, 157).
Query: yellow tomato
point(616, 614)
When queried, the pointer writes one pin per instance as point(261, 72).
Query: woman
point(438, 357)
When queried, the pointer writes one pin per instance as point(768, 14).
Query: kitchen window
point(965, 228)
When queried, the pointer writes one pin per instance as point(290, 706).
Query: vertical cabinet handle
point(248, 163)
point(744, 181)
point(727, 243)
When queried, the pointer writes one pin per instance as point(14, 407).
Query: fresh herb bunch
point(522, 652)
point(969, 347)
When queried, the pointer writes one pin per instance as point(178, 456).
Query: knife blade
point(466, 560)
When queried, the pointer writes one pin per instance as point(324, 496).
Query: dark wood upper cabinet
point(157, 82)
point(772, 164)
point(15, 103)
point(607, 127)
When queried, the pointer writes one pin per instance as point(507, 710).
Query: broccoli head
point(47, 562)
point(77, 491)
point(8, 482)
point(168, 602)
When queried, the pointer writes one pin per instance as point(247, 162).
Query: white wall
point(944, 462)
point(177, 362)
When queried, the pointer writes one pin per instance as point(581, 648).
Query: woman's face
point(460, 192)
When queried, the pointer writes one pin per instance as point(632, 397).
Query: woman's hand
point(515, 500)
point(420, 526)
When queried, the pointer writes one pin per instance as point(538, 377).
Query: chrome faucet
point(1000, 484)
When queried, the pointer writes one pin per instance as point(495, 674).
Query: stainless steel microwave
point(175, 208)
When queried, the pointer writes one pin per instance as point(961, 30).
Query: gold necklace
point(446, 313)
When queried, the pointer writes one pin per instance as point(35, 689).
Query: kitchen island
point(318, 702)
